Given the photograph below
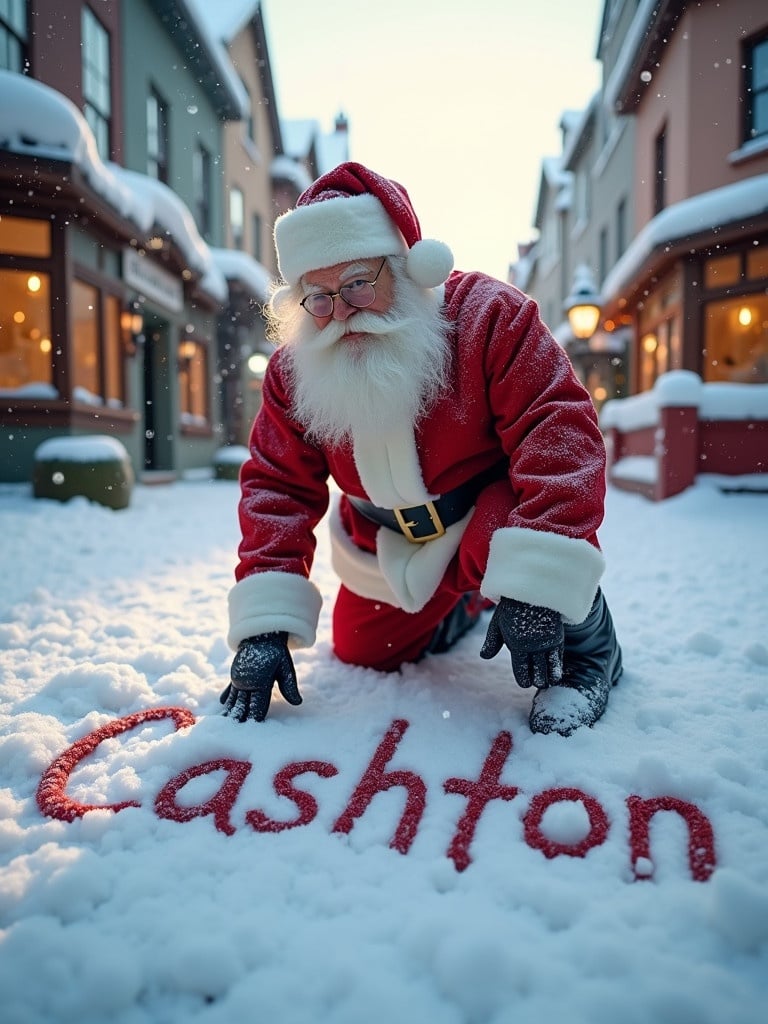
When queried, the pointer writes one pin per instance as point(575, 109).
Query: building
point(661, 194)
point(251, 147)
point(138, 145)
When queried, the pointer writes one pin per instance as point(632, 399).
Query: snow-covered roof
point(332, 150)
point(523, 268)
point(174, 219)
point(298, 135)
point(705, 212)
point(239, 266)
point(553, 178)
point(630, 47)
point(36, 120)
point(225, 18)
point(578, 133)
point(216, 51)
point(285, 168)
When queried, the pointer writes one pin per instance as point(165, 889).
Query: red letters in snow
point(54, 802)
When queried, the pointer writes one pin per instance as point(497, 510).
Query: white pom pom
point(429, 262)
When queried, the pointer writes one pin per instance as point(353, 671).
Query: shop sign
point(152, 281)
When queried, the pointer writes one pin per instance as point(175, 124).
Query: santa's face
point(350, 277)
point(372, 370)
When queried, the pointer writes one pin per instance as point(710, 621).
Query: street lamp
point(583, 304)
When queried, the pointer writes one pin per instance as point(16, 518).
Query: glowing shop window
point(26, 366)
point(86, 385)
point(193, 383)
point(22, 237)
point(722, 270)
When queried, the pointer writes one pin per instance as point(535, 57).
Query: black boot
point(459, 620)
point(591, 666)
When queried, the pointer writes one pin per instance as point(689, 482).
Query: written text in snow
point(377, 778)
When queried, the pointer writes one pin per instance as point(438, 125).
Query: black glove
point(534, 637)
point(259, 662)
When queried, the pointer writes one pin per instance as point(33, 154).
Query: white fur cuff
point(268, 602)
point(544, 569)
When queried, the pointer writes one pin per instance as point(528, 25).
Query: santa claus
point(470, 466)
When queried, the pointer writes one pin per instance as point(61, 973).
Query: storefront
point(698, 299)
point(108, 304)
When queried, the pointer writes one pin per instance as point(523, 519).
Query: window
point(85, 344)
point(193, 383)
point(757, 262)
point(97, 353)
point(756, 89)
point(583, 195)
point(201, 174)
point(26, 369)
point(736, 341)
point(157, 137)
point(21, 237)
point(256, 236)
point(26, 351)
point(658, 325)
point(237, 216)
point(97, 103)
point(114, 387)
point(13, 35)
point(660, 172)
point(621, 228)
point(603, 254)
point(249, 124)
point(721, 271)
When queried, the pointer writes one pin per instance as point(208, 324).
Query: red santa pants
point(377, 635)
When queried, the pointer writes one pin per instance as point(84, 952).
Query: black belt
point(420, 523)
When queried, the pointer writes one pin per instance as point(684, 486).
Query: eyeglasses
point(358, 293)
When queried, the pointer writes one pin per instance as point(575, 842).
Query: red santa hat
point(353, 213)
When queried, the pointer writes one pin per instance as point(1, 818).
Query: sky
point(214, 899)
point(459, 102)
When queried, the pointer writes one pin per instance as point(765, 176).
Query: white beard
point(371, 385)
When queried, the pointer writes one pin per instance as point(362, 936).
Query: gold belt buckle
point(407, 526)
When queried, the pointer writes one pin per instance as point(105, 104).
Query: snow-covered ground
point(436, 862)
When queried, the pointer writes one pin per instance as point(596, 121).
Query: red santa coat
point(531, 536)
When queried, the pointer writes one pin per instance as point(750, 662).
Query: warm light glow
point(34, 284)
point(187, 349)
point(650, 343)
point(600, 394)
point(582, 307)
point(583, 320)
point(257, 364)
point(19, 317)
point(45, 345)
point(131, 322)
point(745, 316)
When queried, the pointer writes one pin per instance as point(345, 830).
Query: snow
point(36, 120)
point(683, 388)
point(90, 448)
point(233, 455)
point(240, 266)
point(742, 200)
point(285, 168)
point(144, 916)
point(174, 219)
point(226, 18)
point(216, 50)
point(39, 121)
